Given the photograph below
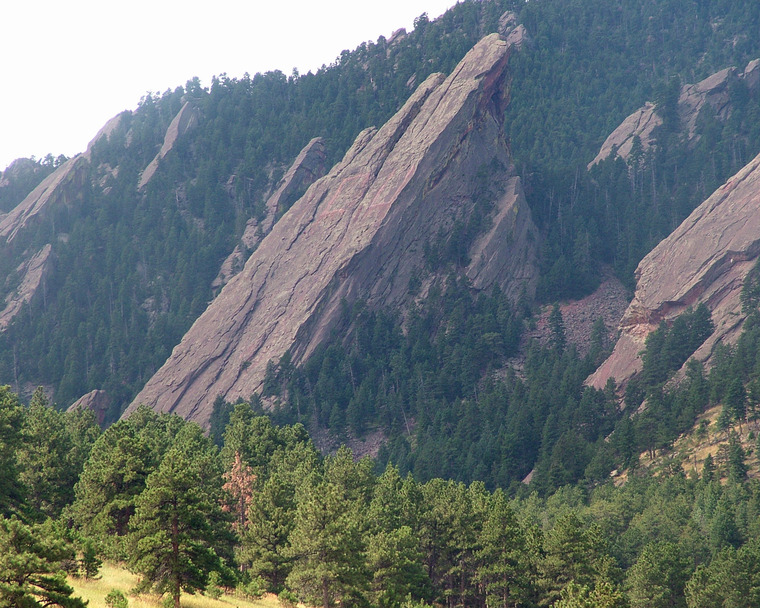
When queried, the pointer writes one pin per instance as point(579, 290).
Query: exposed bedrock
point(361, 232)
point(706, 259)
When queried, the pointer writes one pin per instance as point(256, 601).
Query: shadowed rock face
point(706, 259)
point(361, 232)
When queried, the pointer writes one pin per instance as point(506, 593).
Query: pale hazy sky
point(67, 67)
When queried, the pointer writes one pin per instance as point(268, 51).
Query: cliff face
point(713, 90)
point(62, 188)
point(706, 259)
point(185, 120)
point(307, 168)
point(361, 232)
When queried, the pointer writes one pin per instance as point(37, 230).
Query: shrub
point(116, 599)
point(214, 588)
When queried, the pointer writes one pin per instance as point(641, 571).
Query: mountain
point(429, 177)
point(705, 260)
point(454, 329)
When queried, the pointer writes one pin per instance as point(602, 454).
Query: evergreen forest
point(501, 479)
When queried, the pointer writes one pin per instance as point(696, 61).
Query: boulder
point(98, 401)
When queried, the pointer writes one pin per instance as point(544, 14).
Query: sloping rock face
point(360, 232)
point(640, 124)
point(98, 401)
point(31, 273)
point(186, 119)
point(307, 168)
point(706, 259)
point(60, 187)
point(21, 176)
point(713, 90)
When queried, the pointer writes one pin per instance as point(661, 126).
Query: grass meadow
point(112, 576)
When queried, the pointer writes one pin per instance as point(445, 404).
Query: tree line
point(267, 513)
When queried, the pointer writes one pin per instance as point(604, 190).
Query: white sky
point(67, 67)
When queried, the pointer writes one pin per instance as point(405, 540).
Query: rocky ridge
point(64, 187)
point(706, 259)
point(713, 90)
point(361, 232)
point(308, 166)
point(185, 120)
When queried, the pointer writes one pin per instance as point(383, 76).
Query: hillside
point(427, 178)
point(121, 263)
point(511, 256)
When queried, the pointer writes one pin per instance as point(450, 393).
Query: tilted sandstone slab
point(713, 90)
point(641, 124)
point(186, 119)
point(704, 260)
point(307, 168)
point(61, 187)
point(31, 272)
point(361, 232)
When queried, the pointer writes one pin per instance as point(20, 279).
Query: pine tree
point(502, 567)
point(179, 532)
point(11, 416)
point(264, 542)
point(115, 474)
point(658, 577)
point(557, 326)
point(48, 458)
point(395, 560)
point(326, 547)
point(30, 567)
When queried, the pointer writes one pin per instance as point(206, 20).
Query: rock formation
point(185, 120)
point(704, 260)
point(713, 90)
point(97, 401)
point(514, 33)
point(63, 187)
point(307, 168)
point(361, 232)
point(31, 272)
point(641, 124)
point(60, 187)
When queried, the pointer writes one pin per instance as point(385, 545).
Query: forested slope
point(133, 268)
point(268, 513)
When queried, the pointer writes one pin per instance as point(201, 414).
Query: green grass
point(112, 576)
